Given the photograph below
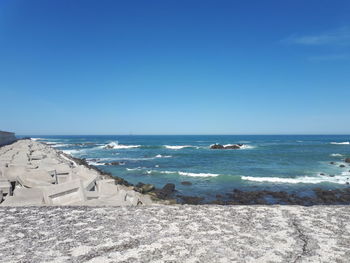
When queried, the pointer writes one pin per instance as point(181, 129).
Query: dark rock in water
point(186, 183)
point(191, 200)
point(347, 160)
point(139, 185)
point(322, 174)
point(169, 188)
point(166, 192)
point(232, 146)
point(115, 163)
point(218, 202)
point(331, 175)
point(145, 188)
point(216, 146)
point(121, 181)
point(219, 196)
point(332, 162)
point(228, 147)
point(108, 146)
point(342, 166)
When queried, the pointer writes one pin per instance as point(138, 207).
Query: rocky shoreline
point(169, 195)
point(237, 197)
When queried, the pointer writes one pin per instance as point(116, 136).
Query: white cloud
point(340, 36)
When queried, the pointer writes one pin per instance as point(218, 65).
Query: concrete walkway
point(175, 234)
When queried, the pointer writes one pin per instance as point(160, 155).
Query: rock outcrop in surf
point(227, 146)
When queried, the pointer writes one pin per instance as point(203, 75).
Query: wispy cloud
point(340, 36)
point(331, 57)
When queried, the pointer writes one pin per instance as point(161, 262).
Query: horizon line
point(248, 134)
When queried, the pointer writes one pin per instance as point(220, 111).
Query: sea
point(292, 163)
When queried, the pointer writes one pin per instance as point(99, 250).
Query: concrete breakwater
point(32, 173)
point(208, 233)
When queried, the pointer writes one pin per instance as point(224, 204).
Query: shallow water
point(289, 163)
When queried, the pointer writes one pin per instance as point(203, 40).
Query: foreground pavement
point(175, 234)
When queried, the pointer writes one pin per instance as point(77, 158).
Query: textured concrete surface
point(175, 234)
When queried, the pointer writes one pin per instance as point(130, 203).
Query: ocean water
point(288, 163)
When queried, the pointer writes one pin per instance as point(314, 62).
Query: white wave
point(178, 147)
point(134, 169)
point(245, 146)
point(51, 143)
point(37, 139)
point(338, 179)
point(70, 152)
point(116, 145)
point(198, 174)
point(95, 163)
point(60, 145)
point(336, 155)
point(341, 143)
point(190, 174)
point(162, 156)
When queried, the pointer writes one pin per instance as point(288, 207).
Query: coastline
point(106, 232)
point(169, 194)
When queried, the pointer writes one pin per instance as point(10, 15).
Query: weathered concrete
point(175, 234)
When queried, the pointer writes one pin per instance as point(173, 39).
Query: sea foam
point(178, 147)
point(341, 143)
point(116, 145)
point(338, 179)
point(336, 155)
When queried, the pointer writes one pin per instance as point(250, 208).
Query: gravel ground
point(175, 234)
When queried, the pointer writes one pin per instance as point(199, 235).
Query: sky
point(175, 67)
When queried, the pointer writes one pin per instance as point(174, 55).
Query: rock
point(121, 181)
point(332, 162)
point(228, 146)
point(147, 188)
point(108, 146)
point(166, 192)
point(191, 200)
point(219, 196)
point(342, 166)
point(115, 163)
point(186, 183)
point(347, 160)
point(322, 174)
point(232, 146)
point(217, 146)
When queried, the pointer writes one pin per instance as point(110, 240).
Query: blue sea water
point(295, 163)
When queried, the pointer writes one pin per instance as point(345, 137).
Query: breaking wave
point(116, 145)
point(179, 147)
point(162, 156)
point(341, 143)
point(336, 155)
point(71, 152)
point(337, 179)
point(184, 173)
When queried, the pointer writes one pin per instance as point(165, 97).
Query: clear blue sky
point(175, 67)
